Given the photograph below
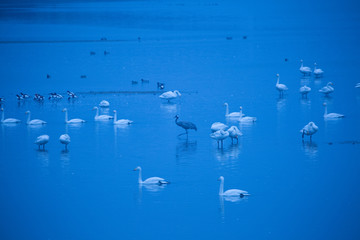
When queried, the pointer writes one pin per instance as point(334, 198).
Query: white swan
point(331, 115)
point(216, 126)
point(357, 85)
point(34, 121)
point(104, 103)
point(152, 180)
point(304, 70)
point(170, 95)
point(309, 129)
point(75, 120)
point(8, 120)
point(230, 115)
point(234, 132)
point(42, 140)
point(101, 117)
point(65, 139)
point(231, 192)
point(317, 71)
point(219, 136)
point(327, 89)
point(304, 90)
point(246, 119)
point(280, 87)
point(121, 121)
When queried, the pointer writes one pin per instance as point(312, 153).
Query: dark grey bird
point(184, 125)
point(160, 85)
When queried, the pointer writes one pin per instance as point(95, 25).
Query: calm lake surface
point(212, 52)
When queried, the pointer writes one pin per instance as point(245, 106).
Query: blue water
point(299, 189)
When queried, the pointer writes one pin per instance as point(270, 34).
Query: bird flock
point(219, 131)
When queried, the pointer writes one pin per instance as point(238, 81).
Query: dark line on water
point(66, 41)
point(131, 92)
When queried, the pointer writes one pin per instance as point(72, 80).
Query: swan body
point(331, 115)
point(72, 121)
point(8, 120)
point(234, 132)
point(104, 103)
point(304, 70)
point(42, 140)
point(357, 85)
point(280, 87)
point(218, 126)
point(219, 136)
point(121, 121)
point(64, 139)
point(246, 119)
point(304, 90)
point(230, 192)
point(317, 71)
point(327, 89)
point(151, 180)
point(101, 117)
point(231, 115)
point(34, 121)
point(309, 129)
point(170, 95)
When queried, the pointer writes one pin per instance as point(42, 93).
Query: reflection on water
point(232, 152)
point(65, 159)
point(233, 199)
point(43, 156)
point(280, 104)
point(305, 80)
point(185, 148)
point(169, 107)
point(310, 149)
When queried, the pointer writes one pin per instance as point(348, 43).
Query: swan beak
point(135, 169)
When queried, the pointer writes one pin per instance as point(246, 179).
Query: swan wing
point(11, 120)
point(76, 120)
point(235, 192)
point(123, 121)
point(103, 117)
point(36, 122)
point(334, 115)
point(167, 95)
point(154, 180)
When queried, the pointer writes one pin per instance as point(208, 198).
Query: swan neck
point(66, 116)
point(97, 112)
point(325, 110)
point(28, 119)
point(278, 79)
point(115, 116)
point(140, 178)
point(221, 190)
point(227, 110)
point(2, 116)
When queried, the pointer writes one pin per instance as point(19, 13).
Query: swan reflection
point(169, 107)
point(43, 156)
point(280, 104)
point(310, 148)
point(230, 153)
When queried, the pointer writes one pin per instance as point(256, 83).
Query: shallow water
point(299, 189)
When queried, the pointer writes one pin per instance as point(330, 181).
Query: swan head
point(137, 168)
point(177, 92)
point(95, 108)
point(114, 111)
point(324, 104)
point(1, 109)
point(64, 110)
point(330, 83)
point(301, 60)
point(278, 75)
point(176, 116)
point(226, 104)
point(27, 112)
point(221, 178)
point(240, 107)
point(315, 64)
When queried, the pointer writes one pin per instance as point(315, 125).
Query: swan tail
point(163, 182)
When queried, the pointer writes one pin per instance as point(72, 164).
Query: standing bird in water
point(304, 70)
point(280, 87)
point(185, 125)
point(42, 140)
point(309, 129)
point(65, 139)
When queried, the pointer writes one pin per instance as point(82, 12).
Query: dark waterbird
point(160, 85)
point(185, 125)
